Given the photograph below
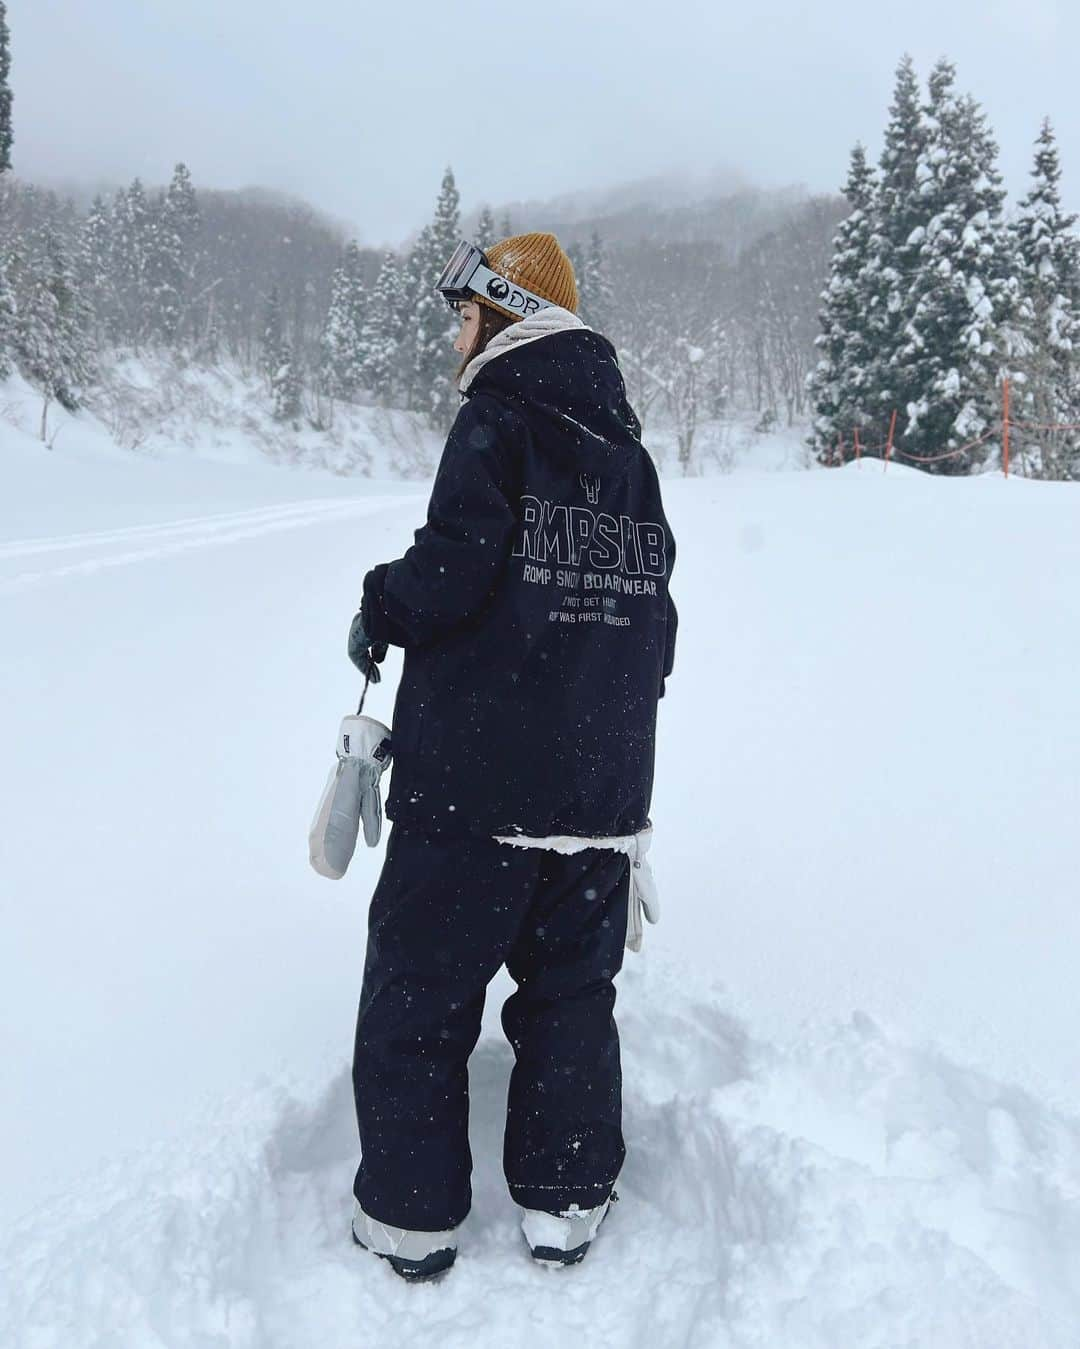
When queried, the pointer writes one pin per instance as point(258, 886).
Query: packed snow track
point(84, 554)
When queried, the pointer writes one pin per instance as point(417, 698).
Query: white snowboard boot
point(564, 1238)
point(414, 1255)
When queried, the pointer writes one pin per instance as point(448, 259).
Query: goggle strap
point(489, 285)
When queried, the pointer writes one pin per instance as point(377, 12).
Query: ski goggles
point(468, 276)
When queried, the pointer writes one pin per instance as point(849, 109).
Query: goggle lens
point(459, 270)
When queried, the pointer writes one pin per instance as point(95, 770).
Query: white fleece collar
point(541, 324)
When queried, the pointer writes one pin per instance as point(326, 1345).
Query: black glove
point(365, 654)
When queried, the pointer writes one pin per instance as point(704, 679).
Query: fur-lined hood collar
point(541, 324)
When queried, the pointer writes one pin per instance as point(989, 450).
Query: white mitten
point(351, 795)
point(643, 893)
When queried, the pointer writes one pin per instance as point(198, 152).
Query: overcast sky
point(359, 106)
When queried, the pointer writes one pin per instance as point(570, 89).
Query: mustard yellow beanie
point(537, 262)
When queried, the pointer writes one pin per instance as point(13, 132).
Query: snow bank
point(155, 408)
point(161, 409)
point(846, 1191)
point(728, 445)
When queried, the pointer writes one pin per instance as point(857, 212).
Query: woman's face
point(469, 313)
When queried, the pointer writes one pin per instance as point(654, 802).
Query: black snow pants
point(446, 914)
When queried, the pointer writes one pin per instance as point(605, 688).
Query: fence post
point(889, 443)
point(1006, 425)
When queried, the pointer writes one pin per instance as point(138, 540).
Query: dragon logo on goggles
point(512, 297)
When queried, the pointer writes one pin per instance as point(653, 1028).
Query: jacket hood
point(566, 381)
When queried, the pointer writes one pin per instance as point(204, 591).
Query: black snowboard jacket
point(533, 608)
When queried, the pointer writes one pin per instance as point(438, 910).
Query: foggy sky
point(358, 106)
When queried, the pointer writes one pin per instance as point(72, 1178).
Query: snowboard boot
point(564, 1238)
point(416, 1256)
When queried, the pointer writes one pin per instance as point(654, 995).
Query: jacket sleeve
point(669, 649)
point(672, 625)
point(671, 616)
point(452, 568)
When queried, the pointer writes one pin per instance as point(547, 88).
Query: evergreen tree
point(433, 390)
point(272, 345)
point(485, 229)
point(962, 297)
point(380, 335)
point(446, 226)
point(901, 214)
point(132, 233)
point(182, 205)
point(342, 346)
point(171, 259)
point(579, 260)
point(6, 132)
point(905, 142)
point(7, 297)
point(51, 333)
point(7, 294)
point(716, 379)
point(414, 275)
point(286, 385)
point(1048, 253)
point(95, 257)
point(597, 298)
point(8, 319)
point(506, 226)
point(208, 338)
point(279, 362)
point(841, 387)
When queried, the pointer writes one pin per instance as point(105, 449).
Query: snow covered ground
point(852, 1072)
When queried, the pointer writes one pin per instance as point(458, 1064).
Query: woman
point(534, 613)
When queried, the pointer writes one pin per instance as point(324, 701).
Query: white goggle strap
point(491, 286)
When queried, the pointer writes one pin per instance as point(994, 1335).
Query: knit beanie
point(537, 262)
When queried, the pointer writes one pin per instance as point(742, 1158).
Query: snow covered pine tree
point(342, 346)
point(485, 229)
point(922, 312)
point(95, 256)
point(132, 246)
point(6, 134)
point(52, 328)
point(381, 334)
point(7, 293)
point(1049, 256)
point(891, 385)
point(272, 342)
point(7, 297)
point(962, 296)
point(170, 265)
point(433, 330)
point(840, 386)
